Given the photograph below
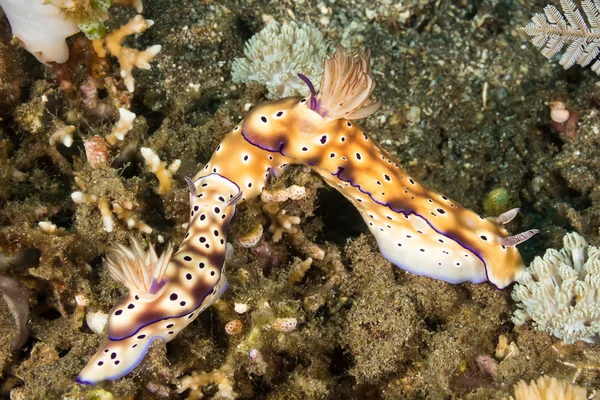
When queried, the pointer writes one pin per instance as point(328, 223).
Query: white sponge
point(40, 27)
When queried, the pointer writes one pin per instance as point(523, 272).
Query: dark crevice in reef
point(433, 323)
point(129, 163)
point(341, 362)
point(64, 218)
point(155, 212)
point(202, 110)
point(97, 268)
point(341, 221)
point(44, 310)
point(154, 119)
point(244, 28)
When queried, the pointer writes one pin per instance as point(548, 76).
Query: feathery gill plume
point(143, 272)
point(347, 85)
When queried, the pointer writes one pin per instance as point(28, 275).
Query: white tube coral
point(277, 54)
point(40, 27)
point(561, 292)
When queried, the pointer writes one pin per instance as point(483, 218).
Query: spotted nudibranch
point(416, 228)
point(166, 294)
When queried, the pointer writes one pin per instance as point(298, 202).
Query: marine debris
point(560, 292)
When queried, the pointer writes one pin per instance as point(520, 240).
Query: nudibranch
point(416, 228)
point(167, 293)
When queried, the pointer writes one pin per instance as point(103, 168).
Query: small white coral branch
point(103, 206)
point(63, 135)
point(128, 58)
point(83, 198)
point(47, 227)
point(122, 211)
point(124, 125)
point(163, 173)
point(221, 377)
point(281, 221)
point(125, 214)
point(107, 218)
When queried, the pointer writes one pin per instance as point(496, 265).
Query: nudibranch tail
point(194, 280)
point(118, 357)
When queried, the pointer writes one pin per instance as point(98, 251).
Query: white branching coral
point(124, 125)
point(143, 272)
point(222, 378)
point(163, 173)
point(561, 292)
point(128, 58)
point(275, 56)
point(123, 210)
point(63, 135)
